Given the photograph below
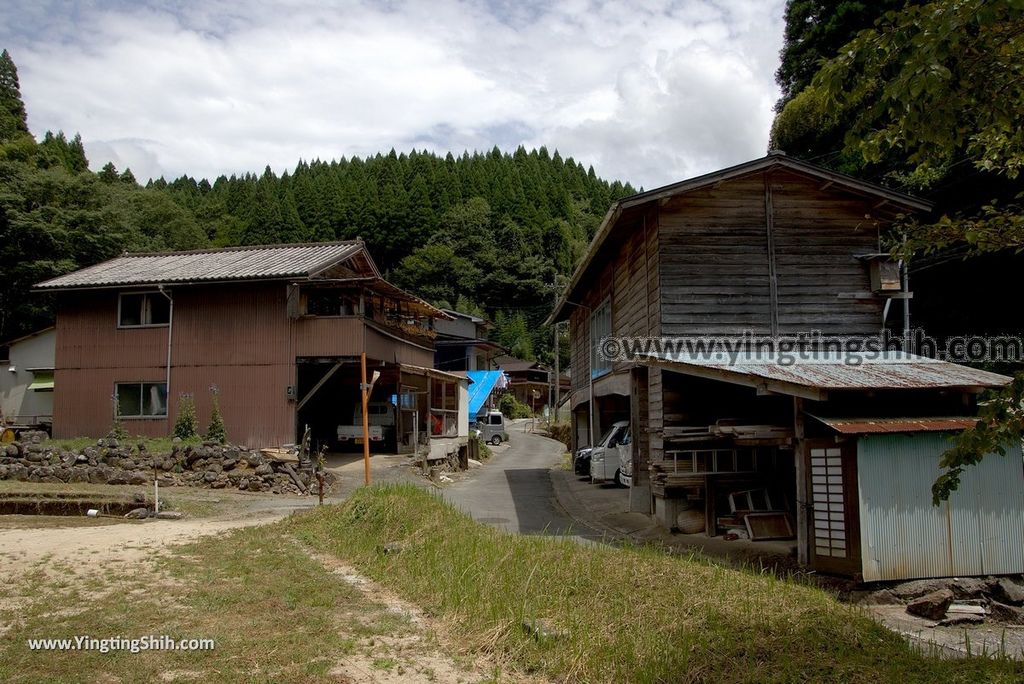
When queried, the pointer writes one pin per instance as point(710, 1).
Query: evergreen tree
point(13, 119)
point(76, 161)
point(108, 174)
point(216, 432)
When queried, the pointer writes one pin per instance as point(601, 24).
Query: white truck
point(381, 424)
point(604, 458)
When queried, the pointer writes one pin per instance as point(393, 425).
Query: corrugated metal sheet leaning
point(979, 531)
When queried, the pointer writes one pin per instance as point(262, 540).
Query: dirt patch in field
point(417, 656)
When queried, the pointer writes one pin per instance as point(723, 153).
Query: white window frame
point(142, 389)
point(600, 328)
point(146, 311)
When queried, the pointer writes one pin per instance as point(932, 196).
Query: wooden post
point(773, 278)
point(366, 419)
point(802, 548)
point(558, 378)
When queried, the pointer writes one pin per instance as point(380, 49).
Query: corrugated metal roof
point(484, 382)
point(433, 372)
point(861, 426)
point(233, 263)
point(833, 370)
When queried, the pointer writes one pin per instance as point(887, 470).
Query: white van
point(604, 458)
point(625, 450)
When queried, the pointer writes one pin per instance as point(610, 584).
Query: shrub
point(217, 432)
point(513, 408)
point(562, 432)
point(186, 426)
point(117, 430)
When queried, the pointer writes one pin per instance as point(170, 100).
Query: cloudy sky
point(649, 91)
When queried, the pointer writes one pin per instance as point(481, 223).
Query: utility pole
point(366, 388)
point(558, 376)
point(366, 420)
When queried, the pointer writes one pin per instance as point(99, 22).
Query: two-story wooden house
point(462, 343)
point(276, 332)
point(834, 446)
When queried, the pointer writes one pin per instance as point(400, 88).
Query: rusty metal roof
point(435, 373)
point(820, 372)
point(264, 262)
point(862, 426)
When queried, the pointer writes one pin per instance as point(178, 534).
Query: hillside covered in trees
point(486, 232)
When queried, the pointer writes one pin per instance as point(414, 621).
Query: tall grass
point(626, 614)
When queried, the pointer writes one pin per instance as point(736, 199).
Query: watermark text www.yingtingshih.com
point(787, 350)
point(119, 643)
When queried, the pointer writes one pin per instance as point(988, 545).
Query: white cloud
point(646, 91)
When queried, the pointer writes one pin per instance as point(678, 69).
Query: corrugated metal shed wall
point(236, 337)
point(979, 531)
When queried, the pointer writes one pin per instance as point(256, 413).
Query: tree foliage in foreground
point(814, 32)
point(932, 99)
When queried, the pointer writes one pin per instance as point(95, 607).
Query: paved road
point(513, 490)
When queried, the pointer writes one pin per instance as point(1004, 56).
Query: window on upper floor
point(600, 328)
point(141, 399)
point(327, 302)
point(140, 309)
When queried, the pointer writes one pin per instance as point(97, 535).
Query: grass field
point(274, 613)
point(626, 615)
point(273, 601)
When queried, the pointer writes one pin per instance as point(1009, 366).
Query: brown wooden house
point(275, 331)
point(777, 247)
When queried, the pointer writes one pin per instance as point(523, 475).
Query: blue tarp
point(480, 389)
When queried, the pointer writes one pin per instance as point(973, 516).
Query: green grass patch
point(154, 445)
point(275, 614)
point(192, 501)
point(625, 614)
point(75, 444)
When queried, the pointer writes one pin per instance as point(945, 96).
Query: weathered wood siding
point(770, 253)
point(714, 261)
point(817, 235)
point(628, 277)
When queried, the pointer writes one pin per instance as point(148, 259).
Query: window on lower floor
point(444, 404)
point(141, 399)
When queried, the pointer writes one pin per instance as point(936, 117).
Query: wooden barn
point(759, 444)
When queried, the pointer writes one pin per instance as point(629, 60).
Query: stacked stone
point(110, 462)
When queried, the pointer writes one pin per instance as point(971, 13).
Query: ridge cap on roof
point(239, 248)
point(773, 159)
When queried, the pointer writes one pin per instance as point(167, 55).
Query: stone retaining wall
point(112, 462)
